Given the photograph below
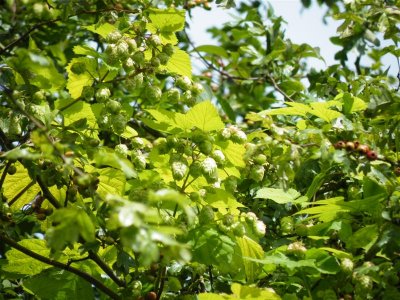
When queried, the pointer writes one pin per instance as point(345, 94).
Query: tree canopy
point(125, 174)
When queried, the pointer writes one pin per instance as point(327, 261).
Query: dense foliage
point(123, 175)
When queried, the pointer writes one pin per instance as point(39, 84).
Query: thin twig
point(98, 284)
point(4, 174)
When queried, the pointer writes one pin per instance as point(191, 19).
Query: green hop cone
point(238, 229)
point(103, 94)
point(113, 106)
point(257, 173)
point(179, 170)
point(113, 37)
point(206, 215)
point(168, 49)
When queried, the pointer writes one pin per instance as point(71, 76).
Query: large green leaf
point(250, 249)
point(79, 110)
point(203, 116)
point(279, 195)
point(76, 82)
point(179, 63)
point(165, 22)
point(58, 284)
point(18, 262)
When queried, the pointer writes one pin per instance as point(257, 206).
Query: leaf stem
point(93, 256)
point(98, 284)
point(4, 174)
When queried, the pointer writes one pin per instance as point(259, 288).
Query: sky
point(303, 26)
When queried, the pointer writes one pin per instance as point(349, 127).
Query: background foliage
point(126, 176)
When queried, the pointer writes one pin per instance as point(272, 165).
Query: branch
point(93, 256)
point(268, 77)
point(98, 284)
point(4, 174)
point(46, 193)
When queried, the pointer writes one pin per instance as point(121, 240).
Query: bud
point(138, 143)
point(226, 133)
point(173, 95)
point(113, 106)
point(163, 57)
point(129, 65)
point(132, 44)
point(251, 219)
point(230, 184)
point(168, 49)
point(155, 40)
point(238, 229)
point(122, 50)
point(197, 89)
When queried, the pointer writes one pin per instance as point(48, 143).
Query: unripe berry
point(197, 89)
point(363, 149)
point(119, 123)
point(228, 219)
point(297, 248)
point(350, 146)
point(138, 58)
point(132, 44)
point(155, 62)
point(340, 145)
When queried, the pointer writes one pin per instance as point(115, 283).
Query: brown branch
point(98, 284)
point(4, 174)
point(93, 256)
point(47, 194)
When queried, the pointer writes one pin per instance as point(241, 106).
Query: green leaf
point(320, 110)
point(296, 109)
point(102, 29)
point(21, 263)
point(179, 63)
point(85, 50)
point(278, 195)
point(71, 224)
point(364, 238)
point(107, 157)
point(165, 22)
point(233, 152)
point(204, 116)
point(325, 263)
point(212, 248)
point(212, 49)
point(112, 181)
point(16, 183)
point(252, 292)
point(76, 82)
point(77, 111)
point(292, 86)
point(250, 249)
point(58, 284)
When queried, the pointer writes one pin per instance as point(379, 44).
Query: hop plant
point(209, 166)
point(219, 157)
point(103, 94)
point(347, 265)
point(179, 170)
point(121, 150)
point(123, 50)
point(257, 173)
point(259, 228)
point(184, 83)
point(113, 37)
point(168, 49)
